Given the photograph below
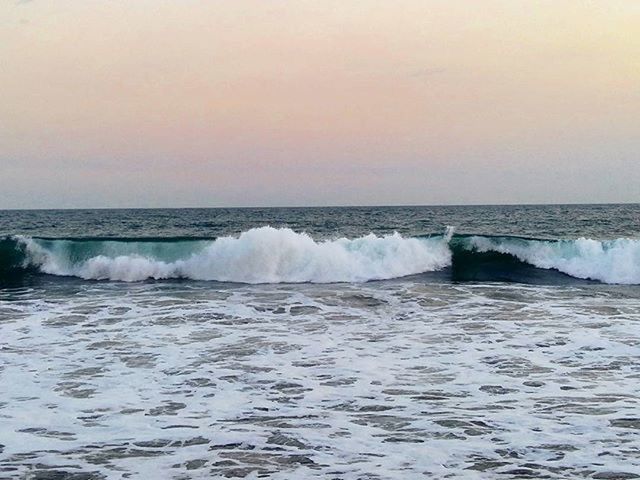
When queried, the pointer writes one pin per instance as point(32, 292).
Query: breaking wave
point(270, 255)
point(261, 255)
point(614, 261)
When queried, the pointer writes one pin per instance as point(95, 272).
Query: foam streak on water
point(378, 380)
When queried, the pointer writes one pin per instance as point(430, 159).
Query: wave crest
point(260, 255)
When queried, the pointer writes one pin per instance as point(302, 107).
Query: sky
point(171, 103)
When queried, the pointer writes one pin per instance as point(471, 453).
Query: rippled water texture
point(394, 379)
point(547, 221)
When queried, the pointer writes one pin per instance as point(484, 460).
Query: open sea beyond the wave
point(339, 342)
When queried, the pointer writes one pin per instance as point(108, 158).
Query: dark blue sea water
point(344, 343)
point(545, 221)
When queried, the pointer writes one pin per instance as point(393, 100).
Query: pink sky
point(232, 103)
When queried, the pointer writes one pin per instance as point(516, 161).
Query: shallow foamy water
point(390, 379)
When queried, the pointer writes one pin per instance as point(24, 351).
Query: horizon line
point(266, 207)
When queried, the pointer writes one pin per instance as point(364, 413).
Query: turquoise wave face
point(78, 251)
point(270, 255)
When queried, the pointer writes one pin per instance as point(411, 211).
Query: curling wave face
point(615, 261)
point(270, 255)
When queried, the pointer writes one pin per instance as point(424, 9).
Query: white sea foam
point(615, 261)
point(260, 255)
point(380, 380)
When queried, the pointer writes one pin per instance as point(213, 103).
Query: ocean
point(340, 343)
